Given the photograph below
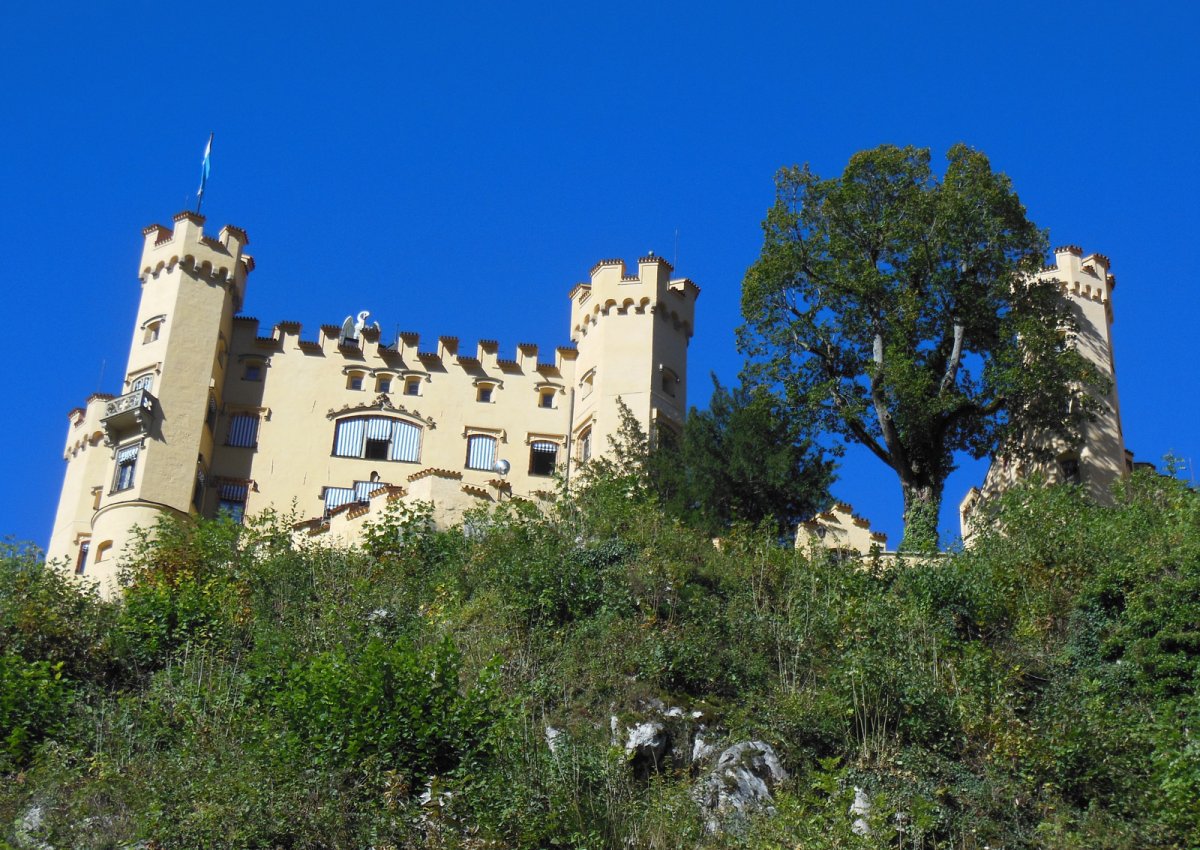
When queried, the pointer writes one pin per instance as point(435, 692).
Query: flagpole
point(204, 166)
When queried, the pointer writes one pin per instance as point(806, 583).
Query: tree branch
point(955, 358)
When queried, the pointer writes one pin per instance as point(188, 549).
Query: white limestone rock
point(860, 810)
point(743, 781)
point(645, 745)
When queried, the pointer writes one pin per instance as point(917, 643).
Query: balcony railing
point(130, 414)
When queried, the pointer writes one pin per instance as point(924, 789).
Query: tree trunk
point(922, 504)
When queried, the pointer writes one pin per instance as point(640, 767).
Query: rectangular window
point(412, 386)
point(383, 385)
point(376, 450)
point(543, 456)
point(335, 497)
point(210, 415)
point(126, 468)
point(233, 501)
point(243, 430)
point(484, 395)
point(481, 452)
point(364, 489)
point(81, 560)
point(585, 445)
point(252, 372)
point(546, 399)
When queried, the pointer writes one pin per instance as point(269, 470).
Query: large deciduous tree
point(904, 313)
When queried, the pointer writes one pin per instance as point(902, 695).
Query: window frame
point(535, 452)
point(125, 472)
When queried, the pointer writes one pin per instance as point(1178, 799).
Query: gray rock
point(553, 738)
point(860, 809)
point(702, 750)
point(29, 823)
point(743, 781)
point(645, 746)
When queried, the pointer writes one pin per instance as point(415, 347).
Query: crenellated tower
point(1101, 458)
point(155, 441)
point(632, 334)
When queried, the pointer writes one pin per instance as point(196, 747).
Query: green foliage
point(742, 460)
point(33, 704)
point(901, 312)
point(393, 703)
point(251, 690)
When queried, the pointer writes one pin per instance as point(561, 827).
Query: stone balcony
point(129, 415)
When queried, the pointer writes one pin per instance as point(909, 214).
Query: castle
point(217, 416)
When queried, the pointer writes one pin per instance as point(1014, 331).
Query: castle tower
point(150, 447)
point(1101, 458)
point(1087, 286)
point(632, 333)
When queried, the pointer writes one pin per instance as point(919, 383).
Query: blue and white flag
point(204, 166)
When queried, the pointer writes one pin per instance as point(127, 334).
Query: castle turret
point(1101, 458)
point(1088, 286)
point(157, 436)
point(632, 333)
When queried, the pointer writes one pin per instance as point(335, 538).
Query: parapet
point(1086, 278)
point(403, 354)
point(652, 290)
point(221, 259)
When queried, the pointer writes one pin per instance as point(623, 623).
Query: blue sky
point(493, 153)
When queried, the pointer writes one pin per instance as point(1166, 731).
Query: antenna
point(100, 380)
point(675, 259)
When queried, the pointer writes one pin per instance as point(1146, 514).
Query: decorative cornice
point(383, 404)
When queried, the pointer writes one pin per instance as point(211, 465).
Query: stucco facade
point(219, 413)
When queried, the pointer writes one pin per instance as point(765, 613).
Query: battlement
point(1087, 278)
point(185, 245)
point(404, 353)
point(613, 289)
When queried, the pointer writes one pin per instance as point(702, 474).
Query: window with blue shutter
point(243, 430)
point(481, 452)
point(377, 438)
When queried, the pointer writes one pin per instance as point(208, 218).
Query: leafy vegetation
point(902, 312)
point(741, 460)
point(255, 690)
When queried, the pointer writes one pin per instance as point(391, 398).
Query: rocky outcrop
point(742, 782)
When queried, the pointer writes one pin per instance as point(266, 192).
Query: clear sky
point(490, 154)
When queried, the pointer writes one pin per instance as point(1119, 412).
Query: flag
point(204, 166)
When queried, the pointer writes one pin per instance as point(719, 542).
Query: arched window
point(377, 438)
point(481, 451)
point(142, 382)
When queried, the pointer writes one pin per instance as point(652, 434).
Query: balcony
point(129, 415)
